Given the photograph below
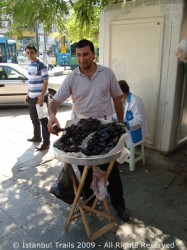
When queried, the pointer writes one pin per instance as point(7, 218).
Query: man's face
point(31, 54)
point(85, 57)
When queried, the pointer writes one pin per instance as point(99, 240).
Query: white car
point(14, 84)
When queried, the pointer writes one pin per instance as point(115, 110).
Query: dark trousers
point(36, 122)
point(50, 66)
point(114, 188)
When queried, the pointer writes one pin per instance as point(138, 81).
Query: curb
point(60, 73)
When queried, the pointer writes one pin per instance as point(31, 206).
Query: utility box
point(138, 40)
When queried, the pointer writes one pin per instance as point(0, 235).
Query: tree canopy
point(76, 17)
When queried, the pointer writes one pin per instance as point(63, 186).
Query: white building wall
point(139, 44)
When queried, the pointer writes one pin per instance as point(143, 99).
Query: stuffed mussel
point(104, 137)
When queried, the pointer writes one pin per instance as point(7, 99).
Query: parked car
point(23, 61)
point(14, 84)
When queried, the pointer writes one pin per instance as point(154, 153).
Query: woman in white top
point(134, 116)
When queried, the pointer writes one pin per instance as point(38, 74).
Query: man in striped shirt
point(37, 94)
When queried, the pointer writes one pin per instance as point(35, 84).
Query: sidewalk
point(30, 217)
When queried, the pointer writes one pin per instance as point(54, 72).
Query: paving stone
point(23, 213)
point(46, 227)
point(139, 236)
point(13, 196)
point(7, 225)
point(16, 240)
point(177, 191)
point(172, 221)
point(140, 204)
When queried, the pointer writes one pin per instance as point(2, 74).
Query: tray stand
point(92, 210)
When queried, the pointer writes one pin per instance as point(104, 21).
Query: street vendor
point(92, 88)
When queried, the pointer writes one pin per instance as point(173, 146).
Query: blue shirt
point(37, 73)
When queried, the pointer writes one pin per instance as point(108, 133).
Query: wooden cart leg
point(105, 205)
point(109, 169)
point(85, 221)
point(84, 208)
point(77, 196)
point(106, 214)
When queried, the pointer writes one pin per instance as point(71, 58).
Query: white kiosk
point(138, 40)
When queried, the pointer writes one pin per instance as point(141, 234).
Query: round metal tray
point(89, 160)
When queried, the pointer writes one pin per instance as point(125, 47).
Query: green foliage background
point(75, 19)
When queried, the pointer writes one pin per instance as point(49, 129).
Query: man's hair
point(31, 46)
point(124, 86)
point(83, 43)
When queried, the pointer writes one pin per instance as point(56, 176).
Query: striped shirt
point(37, 73)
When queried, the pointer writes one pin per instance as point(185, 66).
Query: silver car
point(14, 84)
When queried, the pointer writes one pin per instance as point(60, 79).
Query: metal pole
point(37, 40)
point(45, 47)
point(45, 54)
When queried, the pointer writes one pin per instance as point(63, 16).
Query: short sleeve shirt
point(37, 73)
point(91, 97)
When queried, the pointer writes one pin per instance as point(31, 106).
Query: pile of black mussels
point(105, 137)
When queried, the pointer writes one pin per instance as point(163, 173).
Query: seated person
point(134, 116)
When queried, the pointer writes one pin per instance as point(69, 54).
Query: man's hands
point(58, 129)
point(40, 100)
point(52, 110)
point(54, 125)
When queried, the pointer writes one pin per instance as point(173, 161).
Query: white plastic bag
point(42, 110)
point(182, 50)
point(183, 45)
point(125, 153)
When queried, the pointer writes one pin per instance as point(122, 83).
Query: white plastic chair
point(136, 156)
